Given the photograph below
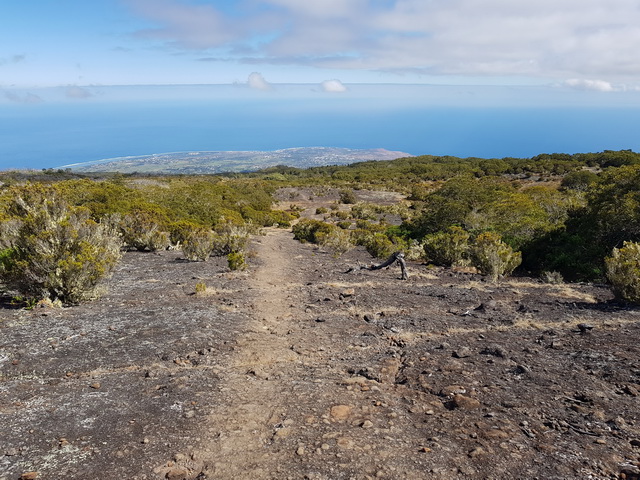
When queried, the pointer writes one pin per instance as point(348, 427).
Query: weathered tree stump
point(396, 257)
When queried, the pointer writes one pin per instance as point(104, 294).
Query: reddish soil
point(295, 369)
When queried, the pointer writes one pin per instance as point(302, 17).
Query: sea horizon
point(49, 128)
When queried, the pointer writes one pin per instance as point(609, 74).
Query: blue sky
point(577, 44)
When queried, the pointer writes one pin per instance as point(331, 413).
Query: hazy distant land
point(235, 161)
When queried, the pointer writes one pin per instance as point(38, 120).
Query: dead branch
point(396, 257)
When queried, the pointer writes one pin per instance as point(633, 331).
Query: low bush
point(230, 237)
point(336, 240)
point(448, 248)
point(198, 244)
point(492, 257)
point(623, 271)
point(236, 261)
point(58, 251)
point(141, 230)
point(347, 196)
point(309, 230)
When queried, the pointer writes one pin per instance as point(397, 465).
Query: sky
point(384, 53)
point(582, 44)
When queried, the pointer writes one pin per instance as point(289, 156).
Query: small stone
point(584, 327)
point(465, 403)
point(11, 452)
point(177, 474)
point(345, 442)
point(283, 432)
point(300, 451)
point(145, 440)
point(349, 292)
point(462, 352)
point(452, 390)
point(95, 385)
point(367, 424)
point(189, 414)
point(29, 476)
point(477, 452)
point(340, 412)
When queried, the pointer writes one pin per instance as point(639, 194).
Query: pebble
point(465, 403)
point(367, 424)
point(177, 474)
point(463, 352)
point(300, 451)
point(95, 385)
point(452, 390)
point(477, 452)
point(340, 412)
point(29, 476)
point(345, 442)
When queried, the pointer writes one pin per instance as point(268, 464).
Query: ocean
point(55, 132)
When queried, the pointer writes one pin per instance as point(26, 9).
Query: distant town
point(235, 161)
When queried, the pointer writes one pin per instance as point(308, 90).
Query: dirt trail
point(256, 384)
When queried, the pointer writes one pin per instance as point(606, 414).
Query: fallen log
point(396, 257)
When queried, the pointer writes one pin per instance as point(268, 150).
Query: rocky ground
point(296, 369)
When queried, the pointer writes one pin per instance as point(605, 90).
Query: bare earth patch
point(295, 369)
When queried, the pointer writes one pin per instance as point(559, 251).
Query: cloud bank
point(584, 84)
point(333, 86)
point(257, 81)
point(578, 39)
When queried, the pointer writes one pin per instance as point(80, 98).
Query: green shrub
point(321, 210)
point(492, 256)
point(336, 240)
point(58, 251)
point(378, 245)
point(200, 288)
point(181, 230)
point(307, 230)
point(554, 278)
point(198, 245)
point(230, 237)
point(236, 261)
point(623, 271)
point(347, 196)
point(141, 231)
point(448, 248)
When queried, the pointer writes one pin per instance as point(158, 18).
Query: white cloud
point(333, 86)
point(257, 81)
point(546, 38)
point(186, 26)
point(584, 84)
